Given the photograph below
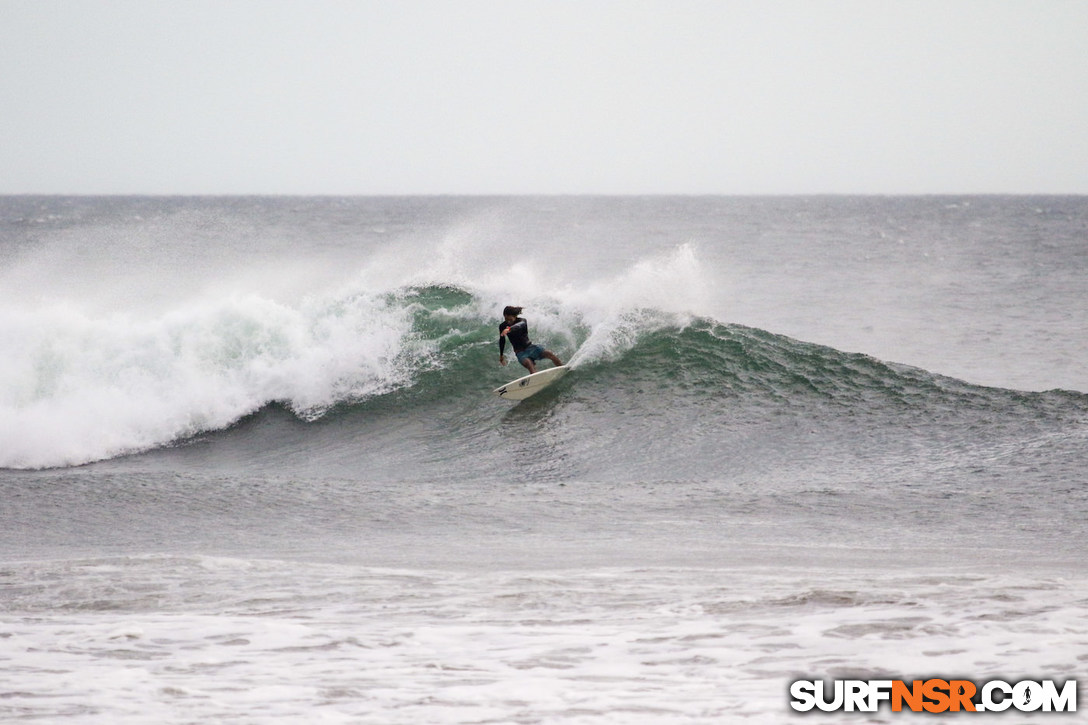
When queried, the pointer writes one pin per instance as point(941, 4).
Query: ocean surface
point(251, 469)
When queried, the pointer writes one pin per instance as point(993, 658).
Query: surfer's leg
point(528, 355)
point(552, 356)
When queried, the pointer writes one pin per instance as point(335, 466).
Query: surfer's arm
point(505, 330)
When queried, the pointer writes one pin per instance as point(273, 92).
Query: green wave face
point(363, 377)
point(656, 397)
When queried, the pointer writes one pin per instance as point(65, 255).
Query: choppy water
point(252, 469)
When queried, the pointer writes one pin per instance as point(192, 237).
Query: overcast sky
point(555, 96)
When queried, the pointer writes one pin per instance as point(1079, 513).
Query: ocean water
point(251, 469)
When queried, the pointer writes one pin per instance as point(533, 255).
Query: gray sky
point(550, 96)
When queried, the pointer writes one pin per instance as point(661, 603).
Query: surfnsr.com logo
point(934, 695)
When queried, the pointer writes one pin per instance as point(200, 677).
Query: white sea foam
point(76, 388)
point(175, 640)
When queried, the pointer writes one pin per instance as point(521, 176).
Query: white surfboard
point(522, 388)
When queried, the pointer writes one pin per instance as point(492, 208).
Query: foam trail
point(666, 290)
point(663, 290)
point(602, 319)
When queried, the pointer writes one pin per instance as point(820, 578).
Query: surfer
point(517, 330)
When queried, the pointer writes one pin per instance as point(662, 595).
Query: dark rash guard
point(519, 335)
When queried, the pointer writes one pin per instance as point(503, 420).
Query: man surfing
point(517, 330)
